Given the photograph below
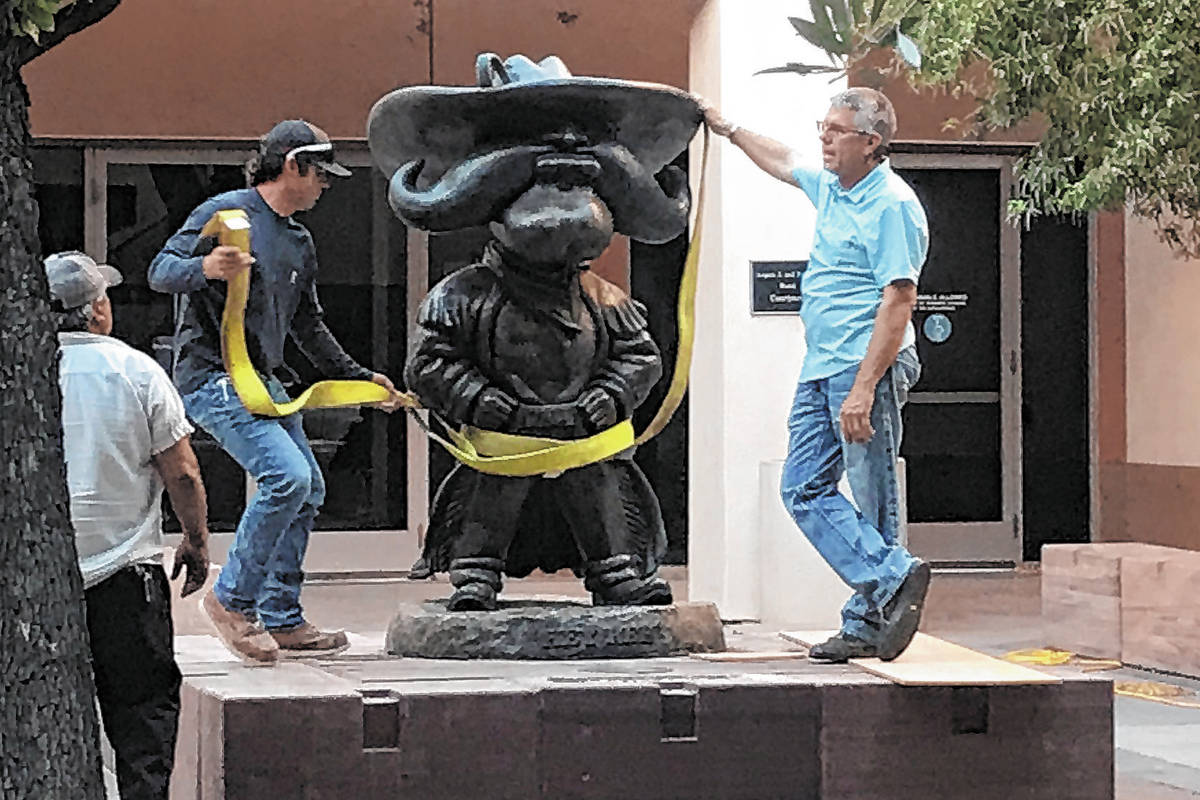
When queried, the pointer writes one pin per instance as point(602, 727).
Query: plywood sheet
point(735, 657)
point(930, 661)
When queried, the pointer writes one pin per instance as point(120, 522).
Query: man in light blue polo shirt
point(858, 292)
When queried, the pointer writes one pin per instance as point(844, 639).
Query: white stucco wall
point(745, 366)
point(1162, 324)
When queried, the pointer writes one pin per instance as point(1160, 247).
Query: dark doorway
point(961, 428)
point(952, 424)
point(1054, 398)
point(1001, 324)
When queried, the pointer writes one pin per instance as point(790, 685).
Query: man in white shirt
point(125, 436)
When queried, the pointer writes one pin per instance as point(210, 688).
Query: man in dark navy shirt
point(255, 602)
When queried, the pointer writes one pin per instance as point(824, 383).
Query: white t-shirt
point(119, 410)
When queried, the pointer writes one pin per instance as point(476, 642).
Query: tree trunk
point(49, 730)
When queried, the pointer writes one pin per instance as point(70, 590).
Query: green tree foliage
point(29, 17)
point(849, 30)
point(1116, 82)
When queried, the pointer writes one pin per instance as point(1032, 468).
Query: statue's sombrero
point(519, 101)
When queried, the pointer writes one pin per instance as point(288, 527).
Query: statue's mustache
point(646, 207)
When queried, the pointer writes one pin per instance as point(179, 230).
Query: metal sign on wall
point(775, 286)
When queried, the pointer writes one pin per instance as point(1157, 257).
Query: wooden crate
point(1081, 594)
point(1081, 598)
point(1160, 610)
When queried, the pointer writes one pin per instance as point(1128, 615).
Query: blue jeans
point(262, 575)
point(859, 544)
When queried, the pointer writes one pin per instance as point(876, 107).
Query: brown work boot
point(308, 641)
point(246, 639)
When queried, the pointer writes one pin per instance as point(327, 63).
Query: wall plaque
point(775, 286)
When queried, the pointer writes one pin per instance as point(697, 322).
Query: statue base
point(554, 629)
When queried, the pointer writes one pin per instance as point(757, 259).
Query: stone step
point(651, 728)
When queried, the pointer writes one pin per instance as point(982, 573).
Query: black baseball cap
point(294, 137)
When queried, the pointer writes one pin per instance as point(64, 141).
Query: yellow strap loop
point(521, 456)
point(1042, 657)
point(232, 228)
point(486, 451)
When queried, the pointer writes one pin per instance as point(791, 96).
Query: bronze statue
point(528, 341)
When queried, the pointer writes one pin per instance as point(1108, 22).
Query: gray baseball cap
point(76, 279)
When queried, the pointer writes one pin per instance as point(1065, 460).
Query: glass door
point(962, 422)
point(361, 248)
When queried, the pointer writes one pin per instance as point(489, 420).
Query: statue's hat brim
point(445, 125)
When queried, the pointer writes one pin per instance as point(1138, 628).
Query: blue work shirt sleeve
point(809, 180)
point(177, 269)
point(900, 244)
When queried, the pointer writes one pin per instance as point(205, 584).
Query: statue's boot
point(618, 581)
point(476, 583)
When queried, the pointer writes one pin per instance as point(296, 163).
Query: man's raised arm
point(773, 157)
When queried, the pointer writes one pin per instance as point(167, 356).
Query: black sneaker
point(841, 648)
point(902, 614)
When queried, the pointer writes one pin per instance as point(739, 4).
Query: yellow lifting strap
point(232, 228)
point(685, 318)
point(522, 456)
point(486, 451)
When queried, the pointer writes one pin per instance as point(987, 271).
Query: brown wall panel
point(1111, 413)
point(1111, 525)
point(1108, 244)
point(631, 39)
point(217, 69)
point(1161, 504)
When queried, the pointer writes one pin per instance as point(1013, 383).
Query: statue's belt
point(486, 451)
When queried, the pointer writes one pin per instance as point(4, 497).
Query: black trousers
point(137, 679)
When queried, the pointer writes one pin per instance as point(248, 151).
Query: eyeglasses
point(838, 130)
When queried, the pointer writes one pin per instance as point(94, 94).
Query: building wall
point(745, 367)
point(630, 39)
point(1162, 331)
point(221, 69)
point(1109, 413)
point(931, 113)
point(1155, 492)
point(1147, 434)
